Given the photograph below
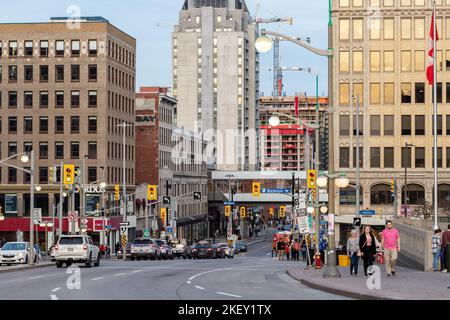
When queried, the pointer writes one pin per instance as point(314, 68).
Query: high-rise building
point(215, 80)
point(285, 147)
point(65, 87)
point(381, 50)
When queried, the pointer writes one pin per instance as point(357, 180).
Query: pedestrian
point(288, 250)
point(117, 247)
point(436, 243)
point(280, 250)
point(297, 248)
point(390, 244)
point(303, 249)
point(274, 248)
point(103, 250)
point(445, 253)
point(352, 252)
point(367, 248)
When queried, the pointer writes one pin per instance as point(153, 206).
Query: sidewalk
point(20, 267)
point(408, 284)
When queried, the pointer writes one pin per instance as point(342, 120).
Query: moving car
point(219, 252)
point(16, 252)
point(241, 247)
point(166, 250)
point(145, 249)
point(180, 248)
point(202, 250)
point(128, 254)
point(229, 252)
point(77, 249)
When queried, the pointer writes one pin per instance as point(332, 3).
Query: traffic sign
point(357, 222)
point(197, 195)
point(73, 216)
point(146, 233)
point(230, 203)
point(37, 215)
point(367, 212)
point(166, 200)
point(124, 224)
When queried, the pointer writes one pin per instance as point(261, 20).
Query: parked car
point(219, 252)
point(241, 247)
point(16, 252)
point(202, 250)
point(229, 252)
point(145, 249)
point(166, 250)
point(128, 254)
point(180, 248)
point(77, 249)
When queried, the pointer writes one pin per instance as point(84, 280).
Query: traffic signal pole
point(61, 199)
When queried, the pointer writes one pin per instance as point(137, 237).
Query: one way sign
point(357, 222)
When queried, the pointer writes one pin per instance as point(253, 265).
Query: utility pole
point(61, 199)
point(317, 167)
point(357, 158)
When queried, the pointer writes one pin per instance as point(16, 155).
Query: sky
point(151, 23)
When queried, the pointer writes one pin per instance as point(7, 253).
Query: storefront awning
point(191, 220)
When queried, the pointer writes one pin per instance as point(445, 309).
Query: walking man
point(390, 244)
point(445, 241)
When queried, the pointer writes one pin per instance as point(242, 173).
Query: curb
point(340, 291)
point(39, 266)
point(255, 242)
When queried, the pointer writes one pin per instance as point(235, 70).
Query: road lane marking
point(120, 274)
point(95, 279)
point(53, 297)
point(56, 289)
point(188, 282)
point(136, 271)
point(200, 288)
point(229, 294)
point(36, 277)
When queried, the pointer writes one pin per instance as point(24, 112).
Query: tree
point(423, 211)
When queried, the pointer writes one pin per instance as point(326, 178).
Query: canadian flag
point(430, 65)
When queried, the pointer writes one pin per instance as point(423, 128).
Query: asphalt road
point(251, 276)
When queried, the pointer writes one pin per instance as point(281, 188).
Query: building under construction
point(287, 146)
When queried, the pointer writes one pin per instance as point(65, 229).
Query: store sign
point(93, 189)
point(10, 204)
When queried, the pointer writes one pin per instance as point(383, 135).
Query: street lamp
point(263, 44)
point(310, 210)
point(323, 209)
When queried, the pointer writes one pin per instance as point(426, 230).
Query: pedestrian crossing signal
point(243, 212)
point(256, 189)
point(227, 211)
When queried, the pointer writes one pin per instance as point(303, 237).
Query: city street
point(251, 276)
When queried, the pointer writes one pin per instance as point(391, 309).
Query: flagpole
point(435, 117)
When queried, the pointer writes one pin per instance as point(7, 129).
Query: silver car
point(16, 252)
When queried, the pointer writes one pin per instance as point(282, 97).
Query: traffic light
point(163, 212)
point(243, 212)
point(256, 189)
point(271, 212)
point(283, 212)
point(69, 173)
point(117, 192)
point(152, 192)
point(227, 211)
point(392, 188)
point(1, 210)
point(52, 178)
point(312, 176)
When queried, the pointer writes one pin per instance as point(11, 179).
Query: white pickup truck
point(76, 249)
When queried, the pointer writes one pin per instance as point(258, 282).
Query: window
point(439, 125)
point(12, 73)
point(43, 175)
point(60, 48)
point(28, 49)
point(43, 99)
point(375, 61)
point(75, 72)
point(75, 47)
point(59, 99)
point(12, 99)
point(419, 60)
point(344, 125)
point(420, 157)
point(420, 92)
point(361, 157)
point(388, 157)
point(59, 124)
point(344, 3)
point(43, 125)
point(375, 157)
point(388, 61)
point(75, 124)
point(357, 29)
point(12, 124)
point(92, 103)
point(439, 157)
point(92, 150)
point(27, 147)
point(13, 48)
point(375, 28)
point(389, 93)
point(347, 196)
point(75, 99)
point(420, 125)
point(12, 149)
point(43, 150)
point(92, 174)
point(447, 89)
point(28, 99)
point(59, 150)
point(406, 157)
point(357, 61)
point(361, 125)
point(439, 92)
point(28, 125)
point(59, 73)
point(447, 125)
point(12, 175)
point(74, 150)
point(375, 93)
point(44, 48)
point(344, 61)
point(380, 194)
point(375, 125)
point(92, 72)
point(358, 91)
point(406, 125)
point(406, 61)
point(344, 29)
point(388, 25)
point(447, 56)
point(406, 92)
point(344, 93)
point(344, 157)
point(92, 124)
point(43, 73)
point(419, 28)
point(92, 47)
point(448, 157)
point(406, 28)
point(28, 73)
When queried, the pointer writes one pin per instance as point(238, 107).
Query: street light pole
point(317, 165)
point(31, 255)
point(61, 200)
point(405, 163)
point(357, 157)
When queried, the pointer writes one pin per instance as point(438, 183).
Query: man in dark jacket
point(445, 241)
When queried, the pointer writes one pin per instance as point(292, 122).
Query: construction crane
point(279, 71)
